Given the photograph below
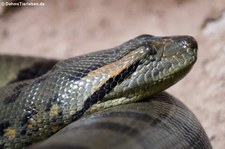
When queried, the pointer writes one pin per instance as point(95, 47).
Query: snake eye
point(151, 50)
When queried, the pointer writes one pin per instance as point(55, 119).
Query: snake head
point(162, 62)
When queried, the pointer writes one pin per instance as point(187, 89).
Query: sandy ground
point(62, 29)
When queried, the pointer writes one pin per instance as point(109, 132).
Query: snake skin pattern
point(35, 106)
point(159, 122)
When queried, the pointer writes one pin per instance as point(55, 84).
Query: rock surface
point(62, 29)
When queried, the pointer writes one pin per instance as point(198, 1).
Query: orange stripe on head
point(111, 70)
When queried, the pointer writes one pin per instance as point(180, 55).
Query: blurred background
point(63, 29)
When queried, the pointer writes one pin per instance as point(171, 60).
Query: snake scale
point(111, 98)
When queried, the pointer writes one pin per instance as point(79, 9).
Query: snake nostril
point(193, 43)
point(186, 42)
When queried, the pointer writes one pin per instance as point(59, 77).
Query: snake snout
point(192, 43)
point(186, 42)
point(180, 45)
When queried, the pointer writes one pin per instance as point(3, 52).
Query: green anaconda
point(108, 97)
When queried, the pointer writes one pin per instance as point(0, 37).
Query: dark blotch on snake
point(27, 115)
point(16, 92)
point(23, 131)
point(50, 102)
point(3, 126)
point(36, 70)
point(12, 98)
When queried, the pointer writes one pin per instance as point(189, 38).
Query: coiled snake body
point(96, 93)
